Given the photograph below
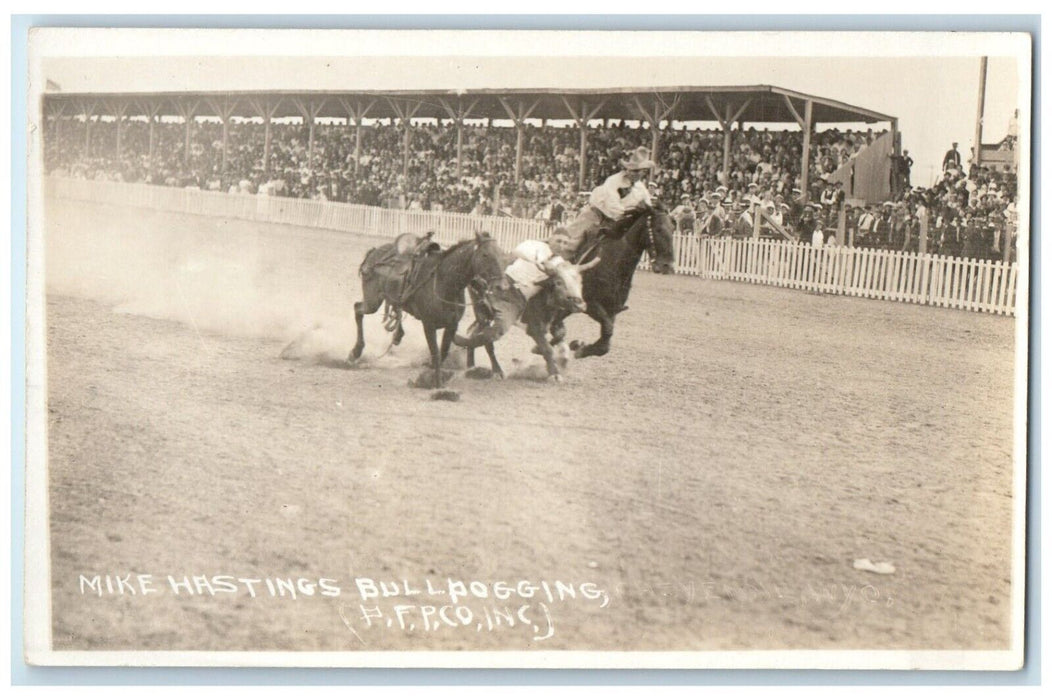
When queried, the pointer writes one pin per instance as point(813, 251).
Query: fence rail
point(449, 227)
point(976, 285)
point(934, 280)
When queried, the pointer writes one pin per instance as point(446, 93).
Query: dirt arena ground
point(706, 486)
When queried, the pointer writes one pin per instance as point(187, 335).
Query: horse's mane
point(464, 242)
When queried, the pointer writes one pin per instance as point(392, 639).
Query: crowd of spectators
point(963, 214)
point(691, 161)
point(970, 214)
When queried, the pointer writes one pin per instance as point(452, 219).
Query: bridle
point(477, 282)
point(651, 244)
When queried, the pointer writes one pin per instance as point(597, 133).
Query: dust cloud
point(227, 277)
point(230, 277)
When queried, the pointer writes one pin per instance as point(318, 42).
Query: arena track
point(717, 474)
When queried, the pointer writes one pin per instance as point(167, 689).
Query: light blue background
point(25, 675)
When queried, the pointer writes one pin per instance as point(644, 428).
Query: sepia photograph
point(527, 349)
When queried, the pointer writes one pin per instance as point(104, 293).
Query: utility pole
point(977, 156)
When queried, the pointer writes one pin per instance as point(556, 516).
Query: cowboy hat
point(639, 159)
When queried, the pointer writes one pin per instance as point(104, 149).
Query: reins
point(432, 276)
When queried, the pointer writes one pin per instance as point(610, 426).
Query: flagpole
point(977, 157)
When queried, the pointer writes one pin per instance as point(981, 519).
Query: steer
point(558, 295)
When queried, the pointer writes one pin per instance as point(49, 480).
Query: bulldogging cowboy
point(533, 264)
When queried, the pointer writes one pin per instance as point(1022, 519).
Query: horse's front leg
point(447, 341)
point(430, 332)
point(361, 310)
point(492, 352)
point(606, 331)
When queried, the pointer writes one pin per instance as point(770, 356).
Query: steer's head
point(567, 285)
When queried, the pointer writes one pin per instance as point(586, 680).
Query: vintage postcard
point(527, 349)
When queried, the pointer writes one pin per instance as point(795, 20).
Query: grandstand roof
point(751, 103)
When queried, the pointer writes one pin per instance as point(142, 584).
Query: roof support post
point(460, 147)
point(357, 143)
point(661, 111)
point(356, 111)
point(120, 110)
point(224, 107)
point(805, 155)
point(582, 157)
point(186, 111)
point(406, 124)
point(150, 108)
point(582, 115)
point(726, 153)
point(518, 116)
point(726, 122)
point(267, 110)
point(309, 110)
point(458, 114)
point(88, 109)
point(56, 120)
point(405, 112)
point(518, 152)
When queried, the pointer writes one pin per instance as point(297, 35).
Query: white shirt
point(816, 238)
point(866, 222)
point(608, 200)
point(533, 260)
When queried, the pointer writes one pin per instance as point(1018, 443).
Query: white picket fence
point(935, 280)
point(975, 285)
point(449, 227)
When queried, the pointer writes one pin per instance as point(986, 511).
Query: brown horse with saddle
point(415, 275)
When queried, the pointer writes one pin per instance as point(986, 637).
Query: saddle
point(589, 242)
point(399, 263)
point(608, 229)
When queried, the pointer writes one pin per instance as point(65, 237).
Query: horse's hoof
point(478, 373)
point(557, 378)
point(576, 345)
point(445, 395)
point(536, 350)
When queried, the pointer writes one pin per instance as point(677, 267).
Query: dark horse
point(606, 286)
point(434, 293)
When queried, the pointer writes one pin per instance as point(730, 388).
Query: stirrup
point(392, 318)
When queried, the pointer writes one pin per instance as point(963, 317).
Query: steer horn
point(588, 265)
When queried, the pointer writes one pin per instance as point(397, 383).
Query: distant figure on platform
point(952, 159)
point(907, 165)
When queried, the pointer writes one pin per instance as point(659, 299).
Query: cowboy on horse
point(608, 204)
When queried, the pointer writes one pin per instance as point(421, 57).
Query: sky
point(931, 88)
